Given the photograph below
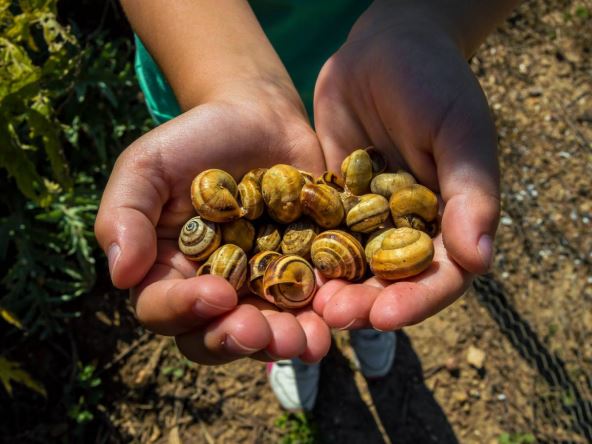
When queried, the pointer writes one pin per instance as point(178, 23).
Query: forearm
point(203, 45)
point(468, 22)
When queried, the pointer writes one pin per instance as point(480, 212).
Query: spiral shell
point(387, 183)
point(368, 215)
point(374, 243)
point(199, 238)
point(348, 200)
point(338, 254)
point(415, 206)
point(251, 197)
point(255, 174)
point(331, 179)
point(229, 262)
point(239, 232)
point(404, 252)
point(356, 170)
point(213, 194)
point(281, 186)
point(289, 282)
point(323, 204)
point(308, 177)
point(298, 238)
point(269, 238)
point(257, 266)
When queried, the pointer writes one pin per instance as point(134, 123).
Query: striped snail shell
point(298, 238)
point(368, 214)
point(257, 266)
point(331, 179)
point(404, 252)
point(199, 238)
point(308, 177)
point(239, 232)
point(213, 194)
point(413, 202)
point(338, 254)
point(230, 262)
point(289, 282)
point(387, 183)
point(281, 186)
point(251, 198)
point(255, 174)
point(374, 242)
point(356, 170)
point(323, 204)
point(269, 238)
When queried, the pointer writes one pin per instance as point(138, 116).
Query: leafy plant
point(516, 438)
point(298, 428)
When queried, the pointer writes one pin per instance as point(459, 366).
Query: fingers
point(465, 153)
point(318, 336)
point(413, 300)
point(349, 308)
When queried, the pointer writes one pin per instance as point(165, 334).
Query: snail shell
point(239, 232)
point(289, 282)
point(255, 174)
point(404, 252)
point(377, 159)
point(257, 266)
point(281, 186)
point(229, 262)
point(199, 238)
point(298, 238)
point(414, 200)
point(348, 200)
point(331, 179)
point(213, 194)
point(308, 177)
point(369, 213)
point(338, 254)
point(356, 170)
point(268, 238)
point(323, 204)
point(251, 198)
point(374, 242)
point(387, 183)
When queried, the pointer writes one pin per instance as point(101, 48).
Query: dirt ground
point(530, 321)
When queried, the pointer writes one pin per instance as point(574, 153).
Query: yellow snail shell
point(213, 194)
point(368, 214)
point(199, 238)
point(331, 179)
point(255, 174)
point(251, 198)
point(356, 170)
point(374, 243)
point(269, 238)
point(308, 177)
point(289, 282)
point(387, 183)
point(281, 186)
point(338, 254)
point(239, 232)
point(404, 252)
point(229, 262)
point(348, 200)
point(323, 204)
point(298, 238)
point(415, 200)
point(257, 266)
point(377, 159)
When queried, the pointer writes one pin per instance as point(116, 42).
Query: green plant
point(87, 393)
point(516, 438)
point(298, 428)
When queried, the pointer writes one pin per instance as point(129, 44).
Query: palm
point(416, 100)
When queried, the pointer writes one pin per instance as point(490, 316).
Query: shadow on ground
point(406, 408)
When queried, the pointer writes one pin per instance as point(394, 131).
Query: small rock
point(451, 364)
point(476, 357)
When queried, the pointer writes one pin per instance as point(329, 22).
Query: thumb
point(129, 210)
point(465, 151)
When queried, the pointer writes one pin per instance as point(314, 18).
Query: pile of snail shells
point(266, 230)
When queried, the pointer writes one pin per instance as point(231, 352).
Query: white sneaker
point(294, 383)
point(374, 351)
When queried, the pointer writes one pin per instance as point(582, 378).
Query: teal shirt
point(304, 33)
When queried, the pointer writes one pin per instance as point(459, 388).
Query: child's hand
point(147, 201)
point(402, 85)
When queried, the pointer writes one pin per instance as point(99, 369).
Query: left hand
point(401, 83)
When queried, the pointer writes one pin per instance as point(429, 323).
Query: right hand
point(147, 201)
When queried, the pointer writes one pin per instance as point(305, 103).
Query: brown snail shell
point(374, 242)
point(269, 238)
point(298, 238)
point(213, 194)
point(348, 200)
point(199, 238)
point(239, 232)
point(230, 262)
point(377, 159)
point(289, 282)
point(323, 204)
point(414, 200)
point(338, 254)
point(368, 214)
point(331, 179)
point(255, 174)
point(281, 186)
point(308, 177)
point(387, 183)
point(251, 197)
point(356, 170)
point(404, 252)
point(257, 266)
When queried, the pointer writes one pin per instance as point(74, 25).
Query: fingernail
point(205, 309)
point(113, 254)
point(235, 347)
point(485, 248)
point(271, 356)
point(352, 322)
